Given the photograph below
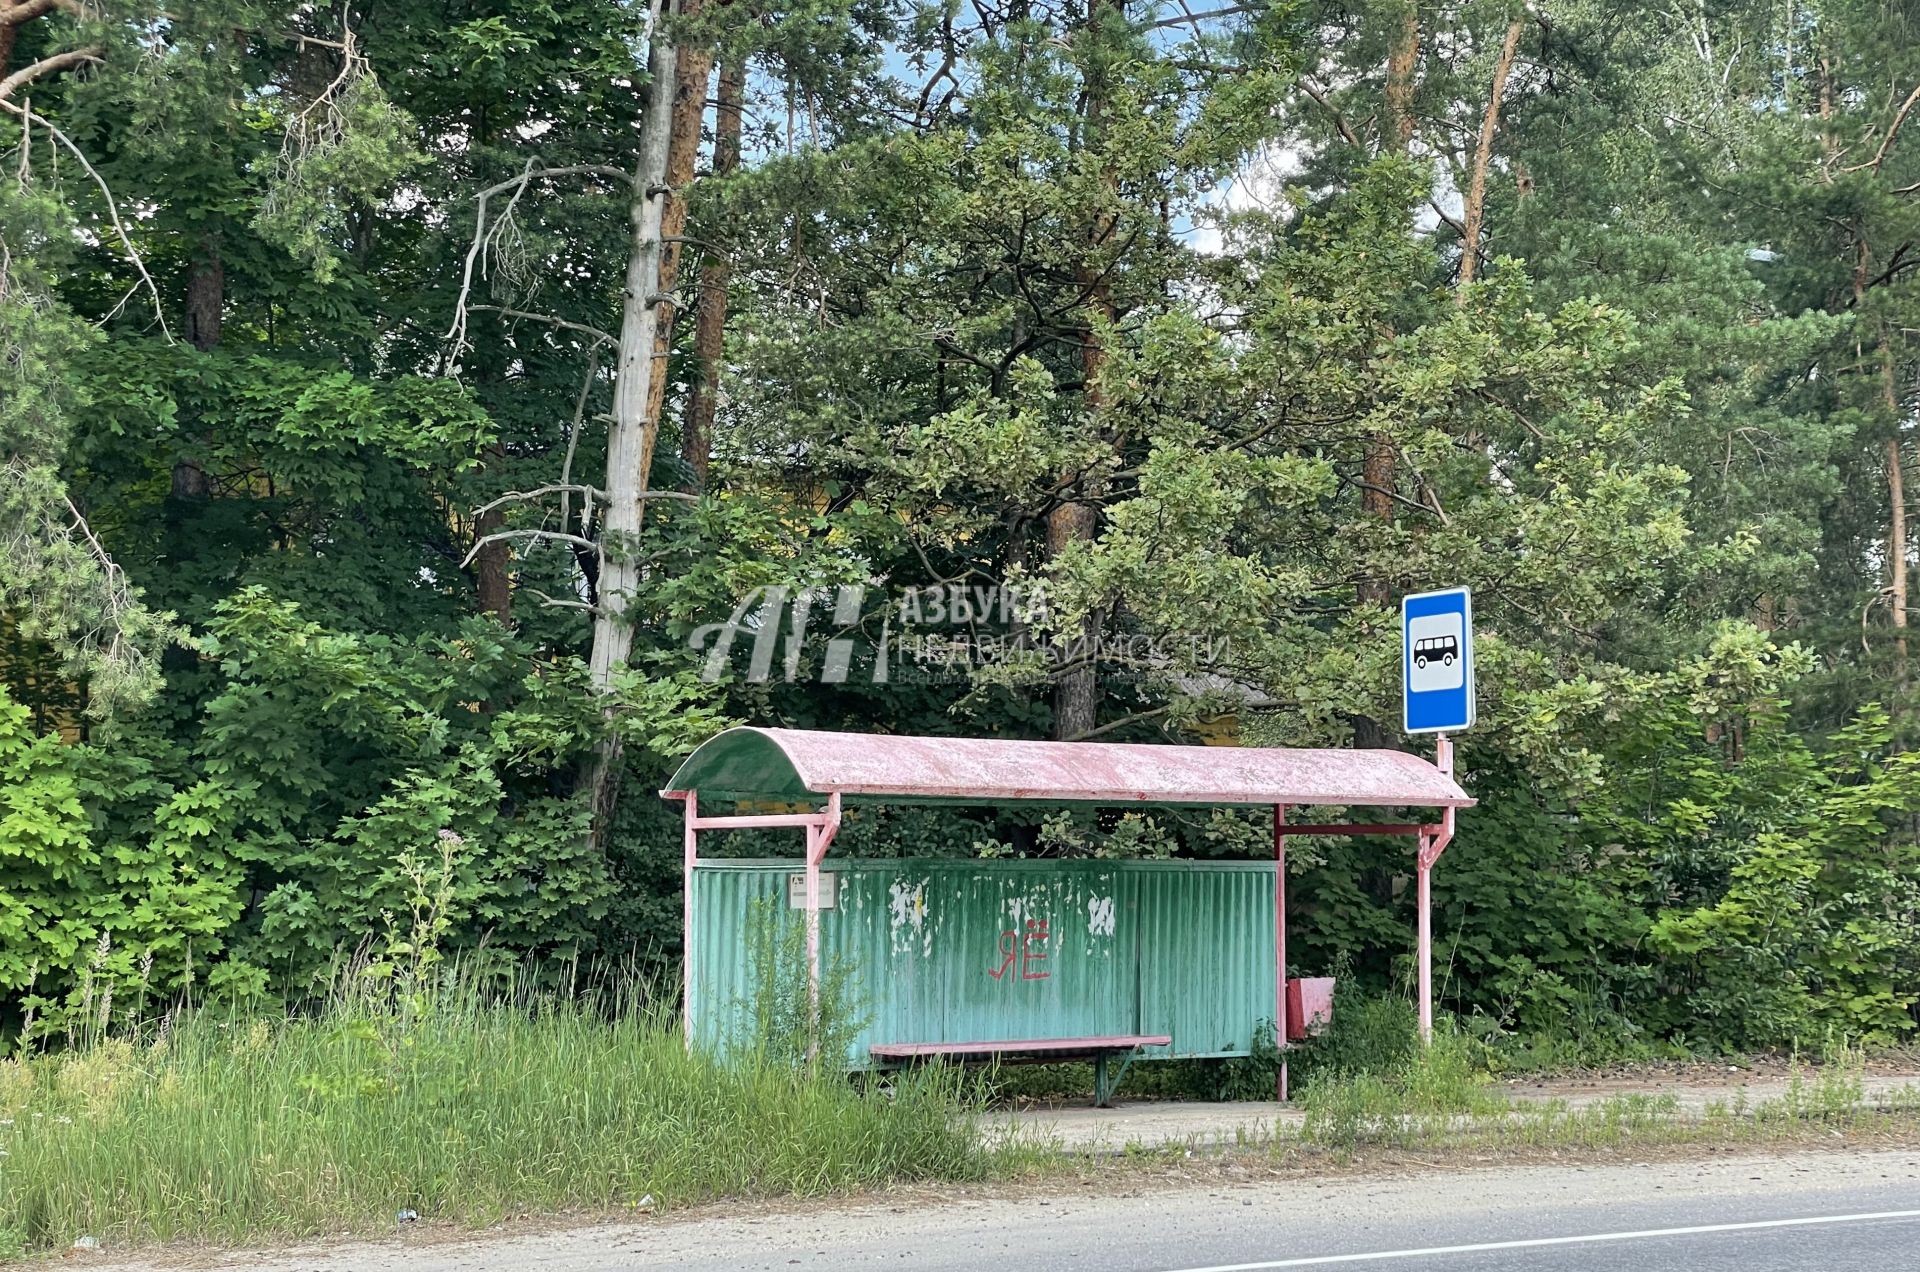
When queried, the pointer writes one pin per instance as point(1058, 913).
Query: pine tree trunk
point(1474, 212)
point(1076, 688)
point(491, 585)
point(716, 276)
point(206, 295)
point(1376, 466)
point(1377, 462)
point(1896, 516)
point(692, 69)
point(631, 434)
point(1401, 60)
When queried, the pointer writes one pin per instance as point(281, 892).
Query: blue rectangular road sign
point(1437, 660)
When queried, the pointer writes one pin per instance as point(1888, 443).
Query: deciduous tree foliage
point(329, 409)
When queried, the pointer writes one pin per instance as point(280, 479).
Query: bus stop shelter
point(826, 772)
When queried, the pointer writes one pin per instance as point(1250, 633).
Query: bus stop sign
point(1437, 661)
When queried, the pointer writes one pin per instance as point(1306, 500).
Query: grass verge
point(243, 1128)
point(1441, 1097)
point(249, 1128)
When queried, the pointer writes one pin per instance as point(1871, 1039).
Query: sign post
point(1436, 661)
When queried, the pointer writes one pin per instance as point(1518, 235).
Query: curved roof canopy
point(793, 765)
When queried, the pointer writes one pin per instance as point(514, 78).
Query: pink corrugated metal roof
point(786, 764)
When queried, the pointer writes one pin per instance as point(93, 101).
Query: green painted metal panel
point(982, 950)
point(1206, 954)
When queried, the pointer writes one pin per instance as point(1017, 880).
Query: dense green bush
point(250, 856)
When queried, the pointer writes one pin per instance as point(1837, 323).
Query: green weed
point(788, 1019)
point(1420, 1097)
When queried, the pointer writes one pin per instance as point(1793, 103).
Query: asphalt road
point(1828, 1212)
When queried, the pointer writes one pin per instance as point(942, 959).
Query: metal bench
point(1035, 1051)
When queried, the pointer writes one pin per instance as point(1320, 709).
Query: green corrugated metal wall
point(981, 950)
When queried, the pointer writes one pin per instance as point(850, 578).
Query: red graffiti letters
point(1028, 948)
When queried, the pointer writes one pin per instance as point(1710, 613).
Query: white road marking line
point(1324, 1259)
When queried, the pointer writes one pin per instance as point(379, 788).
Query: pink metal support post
point(1280, 1038)
point(691, 855)
point(1433, 842)
point(819, 838)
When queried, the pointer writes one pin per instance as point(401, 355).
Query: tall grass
point(411, 1089)
point(241, 1127)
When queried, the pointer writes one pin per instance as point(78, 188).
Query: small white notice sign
point(797, 891)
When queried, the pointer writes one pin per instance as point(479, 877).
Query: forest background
point(405, 406)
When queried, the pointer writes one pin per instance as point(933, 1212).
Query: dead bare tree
point(632, 432)
point(633, 424)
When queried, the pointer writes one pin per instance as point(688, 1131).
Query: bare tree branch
point(1397, 497)
point(1138, 717)
point(1452, 221)
point(1195, 19)
point(48, 66)
point(1339, 120)
point(549, 319)
point(113, 208)
point(516, 495)
point(27, 10)
point(554, 602)
point(457, 332)
point(1482, 155)
point(573, 443)
point(499, 536)
point(1886, 142)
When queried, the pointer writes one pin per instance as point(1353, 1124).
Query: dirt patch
point(1701, 1075)
point(1730, 1072)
